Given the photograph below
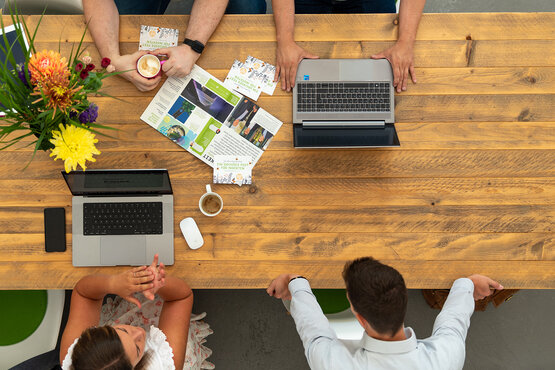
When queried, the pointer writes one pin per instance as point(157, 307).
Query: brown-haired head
point(378, 293)
point(100, 348)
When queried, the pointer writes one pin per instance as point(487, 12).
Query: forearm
point(410, 12)
point(205, 17)
point(103, 22)
point(94, 287)
point(175, 289)
point(284, 18)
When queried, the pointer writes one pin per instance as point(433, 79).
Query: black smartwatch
point(197, 46)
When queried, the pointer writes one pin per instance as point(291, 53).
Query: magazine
point(205, 118)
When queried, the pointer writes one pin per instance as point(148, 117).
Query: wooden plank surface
point(470, 190)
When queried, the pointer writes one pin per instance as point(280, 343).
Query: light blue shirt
point(445, 349)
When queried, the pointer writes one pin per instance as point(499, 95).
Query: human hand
point(180, 60)
point(288, 57)
point(159, 278)
point(279, 287)
point(483, 286)
point(126, 284)
point(401, 57)
point(129, 63)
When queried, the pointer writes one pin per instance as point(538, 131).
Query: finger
point(276, 75)
point(165, 51)
point(405, 78)
point(292, 76)
point(155, 260)
point(494, 284)
point(133, 300)
point(142, 280)
point(146, 273)
point(378, 56)
point(411, 70)
point(284, 78)
point(148, 295)
point(310, 55)
point(397, 79)
point(139, 268)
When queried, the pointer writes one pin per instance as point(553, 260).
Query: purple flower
point(23, 74)
point(89, 115)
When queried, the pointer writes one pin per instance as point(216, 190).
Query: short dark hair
point(101, 348)
point(378, 293)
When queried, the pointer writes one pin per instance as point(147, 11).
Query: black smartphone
point(54, 229)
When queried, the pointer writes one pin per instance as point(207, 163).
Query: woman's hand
point(126, 284)
point(159, 278)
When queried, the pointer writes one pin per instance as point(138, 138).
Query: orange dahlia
point(45, 65)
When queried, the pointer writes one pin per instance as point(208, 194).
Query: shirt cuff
point(463, 284)
point(299, 284)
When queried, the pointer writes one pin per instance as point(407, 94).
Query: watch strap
point(196, 45)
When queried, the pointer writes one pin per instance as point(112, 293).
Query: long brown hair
point(99, 348)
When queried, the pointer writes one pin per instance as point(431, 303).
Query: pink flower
point(105, 62)
point(87, 59)
point(110, 68)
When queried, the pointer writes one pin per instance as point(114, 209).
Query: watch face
point(197, 46)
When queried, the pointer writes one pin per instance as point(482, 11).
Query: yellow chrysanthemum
point(74, 145)
point(43, 65)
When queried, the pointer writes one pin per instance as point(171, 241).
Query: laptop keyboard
point(122, 218)
point(343, 96)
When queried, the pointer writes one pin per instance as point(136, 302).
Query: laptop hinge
point(330, 124)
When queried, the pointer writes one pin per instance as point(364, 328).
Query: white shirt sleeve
point(451, 325)
point(322, 348)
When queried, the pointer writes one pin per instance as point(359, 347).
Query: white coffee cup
point(210, 204)
point(149, 66)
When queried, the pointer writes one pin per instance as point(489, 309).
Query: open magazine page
point(202, 116)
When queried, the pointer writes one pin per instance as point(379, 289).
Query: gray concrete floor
point(253, 331)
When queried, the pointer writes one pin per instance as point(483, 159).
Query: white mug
point(208, 193)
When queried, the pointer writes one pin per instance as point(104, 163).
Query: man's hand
point(128, 283)
point(483, 286)
point(401, 57)
point(279, 287)
point(129, 63)
point(158, 278)
point(288, 57)
point(181, 60)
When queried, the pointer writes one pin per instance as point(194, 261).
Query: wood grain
point(223, 274)
point(470, 190)
point(323, 27)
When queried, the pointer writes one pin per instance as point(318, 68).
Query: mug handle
point(208, 188)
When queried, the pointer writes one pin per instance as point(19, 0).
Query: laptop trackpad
point(123, 250)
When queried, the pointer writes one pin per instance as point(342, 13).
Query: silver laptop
point(344, 103)
point(121, 217)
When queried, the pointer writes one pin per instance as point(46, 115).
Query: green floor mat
point(21, 312)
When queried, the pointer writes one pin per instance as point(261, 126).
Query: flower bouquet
point(45, 97)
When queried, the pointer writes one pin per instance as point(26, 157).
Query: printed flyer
point(202, 116)
point(153, 38)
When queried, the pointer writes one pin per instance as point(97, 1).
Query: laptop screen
point(118, 182)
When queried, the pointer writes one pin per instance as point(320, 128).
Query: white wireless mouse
point(191, 233)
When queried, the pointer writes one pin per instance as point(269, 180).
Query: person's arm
point(205, 17)
point(288, 53)
point(322, 348)
point(103, 21)
point(87, 296)
point(175, 316)
point(401, 55)
point(452, 323)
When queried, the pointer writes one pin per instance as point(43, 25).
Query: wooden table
point(470, 190)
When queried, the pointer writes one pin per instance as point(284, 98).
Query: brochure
point(229, 169)
point(153, 38)
point(263, 72)
point(205, 118)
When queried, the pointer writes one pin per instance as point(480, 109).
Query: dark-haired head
point(378, 293)
point(101, 348)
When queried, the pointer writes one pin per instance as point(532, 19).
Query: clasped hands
point(400, 55)
point(143, 279)
point(181, 60)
